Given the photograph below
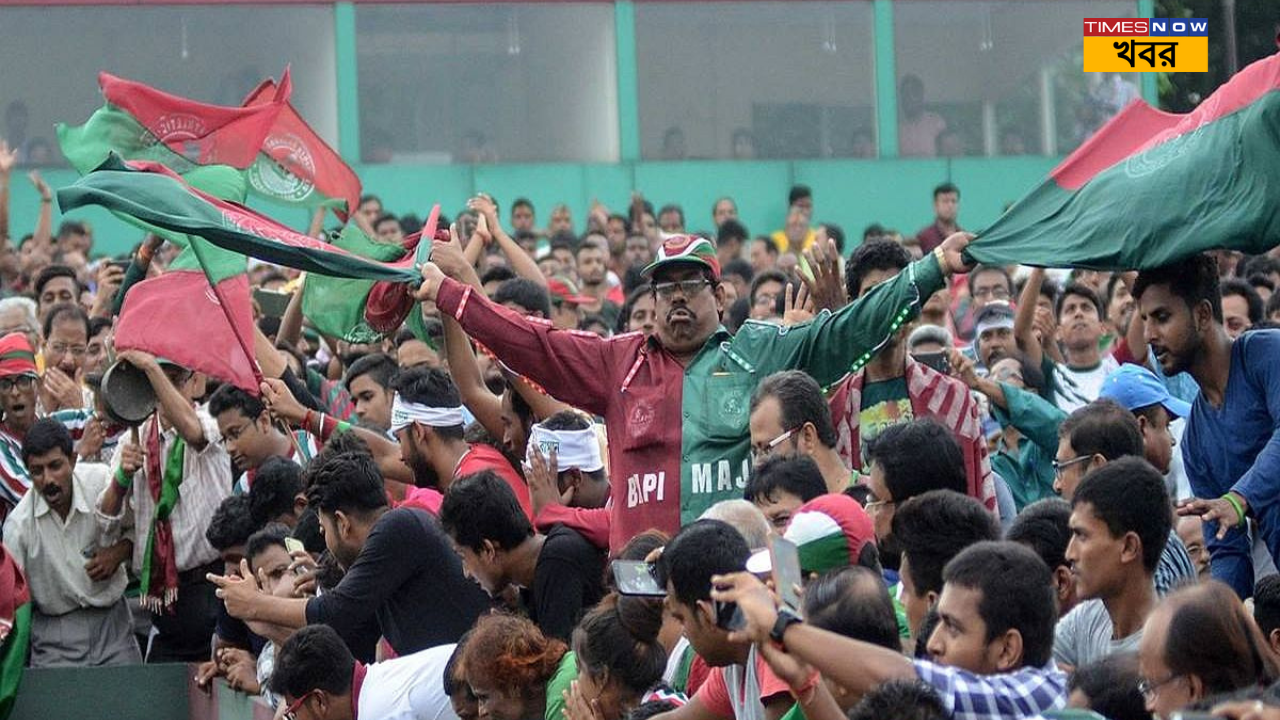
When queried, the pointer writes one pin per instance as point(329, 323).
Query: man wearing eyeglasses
point(677, 403)
point(66, 340)
point(18, 404)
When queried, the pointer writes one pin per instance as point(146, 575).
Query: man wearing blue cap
point(1140, 392)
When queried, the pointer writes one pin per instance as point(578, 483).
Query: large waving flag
point(1152, 187)
point(140, 122)
point(297, 167)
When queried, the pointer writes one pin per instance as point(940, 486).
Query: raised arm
point(43, 234)
point(521, 263)
point(8, 158)
point(177, 409)
point(291, 322)
point(486, 406)
point(1024, 319)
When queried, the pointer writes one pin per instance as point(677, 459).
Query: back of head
point(907, 470)
point(231, 523)
point(45, 436)
point(313, 658)
point(1044, 527)
point(618, 640)
point(744, 517)
point(853, 602)
point(1111, 686)
point(510, 653)
point(1129, 496)
point(796, 475)
point(700, 550)
point(935, 527)
point(275, 489)
point(1103, 427)
point(873, 256)
point(800, 401)
point(901, 700)
point(1017, 594)
point(1212, 637)
point(1193, 280)
point(731, 230)
point(1266, 604)
point(482, 507)
point(379, 367)
point(345, 481)
point(525, 293)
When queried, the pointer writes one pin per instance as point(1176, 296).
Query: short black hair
point(1079, 290)
point(740, 267)
point(480, 507)
point(1254, 265)
point(798, 192)
point(229, 397)
point(385, 217)
point(1273, 304)
point(624, 313)
point(796, 475)
point(946, 187)
point(852, 601)
point(1044, 526)
point(380, 367)
point(231, 524)
point(1017, 593)
point(908, 471)
point(1229, 286)
point(1111, 686)
point(369, 197)
point(313, 658)
point(273, 534)
point(526, 293)
point(998, 269)
point(934, 527)
point(70, 311)
point(55, 271)
point(731, 230)
point(700, 550)
point(498, 274)
point(521, 202)
point(347, 481)
point(1193, 279)
point(1266, 604)
point(870, 257)
point(71, 227)
point(276, 485)
point(1103, 427)
point(901, 700)
point(431, 387)
point(800, 400)
point(1129, 495)
point(672, 207)
point(836, 233)
point(770, 246)
point(309, 532)
point(98, 324)
point(764, 277)
point(45, 436)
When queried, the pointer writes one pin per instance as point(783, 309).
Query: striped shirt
point(1174, 568)
point(14, 480)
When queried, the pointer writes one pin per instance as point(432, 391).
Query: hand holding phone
point(637, 578)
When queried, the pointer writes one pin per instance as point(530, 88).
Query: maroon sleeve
point(591, 523)
point(1123, 355)
point(574, 367)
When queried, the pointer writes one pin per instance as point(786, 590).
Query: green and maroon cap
point(685, 249)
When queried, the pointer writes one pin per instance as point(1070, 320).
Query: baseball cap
point(564, 290)
point(16, 355)
point(1134, 387)
point(830, 531)
point(685, 249)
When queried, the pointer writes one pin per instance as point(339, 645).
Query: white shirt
point(53, 552)
point(206, 482)
point(408, 688)
point(1077, 388)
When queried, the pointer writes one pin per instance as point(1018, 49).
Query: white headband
point(574, 448)
point(404, 414)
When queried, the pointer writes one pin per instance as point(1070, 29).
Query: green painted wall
point(852, 193)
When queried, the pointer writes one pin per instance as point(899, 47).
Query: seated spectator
point(901, 700)
point(780, 485)
point(1044, 526)
point(515, 671)
point(620, 660)
point(1109, 687)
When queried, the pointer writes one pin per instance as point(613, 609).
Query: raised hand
point(8, 158)
point(542, 474)
point(281, 402)
point(952, 258)
point(42, 187)
point(827, 286)
point(797, 307)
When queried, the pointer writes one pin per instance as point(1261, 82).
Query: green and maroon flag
point(336, 306)
point(1152, 187)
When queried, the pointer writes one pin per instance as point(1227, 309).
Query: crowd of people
point(1010, 491)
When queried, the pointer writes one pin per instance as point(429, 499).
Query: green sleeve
point(1033, 416)
point(834, 344)
point(13, 657)
point(795, 713)
point(559, 684)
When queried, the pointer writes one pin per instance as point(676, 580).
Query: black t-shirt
point(568, 580)
point(409, 577)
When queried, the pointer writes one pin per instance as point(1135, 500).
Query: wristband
point(940, 257)
point(806, 693)
point(124, 481)
point(306, 421)
point(1238, 507)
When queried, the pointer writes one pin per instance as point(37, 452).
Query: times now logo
point(1096, 27)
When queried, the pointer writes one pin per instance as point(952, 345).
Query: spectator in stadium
point(1266, 610)
point(620, 660)
point(1044, 527)
point(780, 485)
point(368, 381)
point(1241, 306)
point(1109, 687)
point(790, 416)
point(946, 206)
point(515, 671)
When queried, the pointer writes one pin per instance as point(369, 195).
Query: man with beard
point(676, 403)
point(426, 418)
point(593, 271)
point(77, 578)
point(894, 388)
point(993, 338)
point(399, 566)
point(1231, 447)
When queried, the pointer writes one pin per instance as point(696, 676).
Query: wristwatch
point(786, 618)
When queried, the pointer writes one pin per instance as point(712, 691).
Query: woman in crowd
point(620, 660)
point(515, 672)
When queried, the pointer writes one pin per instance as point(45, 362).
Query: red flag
point(299, 167)
point(205, 134)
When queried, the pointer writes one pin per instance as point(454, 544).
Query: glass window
point(1000, 78)
point(215, 54)
point(487, 83)
point(759, 79)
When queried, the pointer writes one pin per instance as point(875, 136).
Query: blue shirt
point(1237, 447)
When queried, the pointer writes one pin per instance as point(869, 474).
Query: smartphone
point(272, 303)
point(787, 576)
point(936, 360)
point(729, 616)
point(122, 264)
point(634, 577)
point(293, 545)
